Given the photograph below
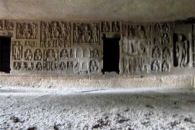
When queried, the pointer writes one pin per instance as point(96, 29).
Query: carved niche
point(181, 55)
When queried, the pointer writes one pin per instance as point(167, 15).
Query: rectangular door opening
point(5, 47)
point(111, 55)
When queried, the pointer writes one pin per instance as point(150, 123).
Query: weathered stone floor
point(85, 109)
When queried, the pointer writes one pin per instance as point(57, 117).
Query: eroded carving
point(105, 26)
point(17, 65)
point(30, 44)
point(86, 53)
point(93, 66)
point(165, 66)
point(155, 66)
point(39, 66)
point(165, 39)
point(70, 65)
point(37, 55)
point(156, 53)
point(64, 54)
point(165, 27)
point(95, 53)
point(9, 25)
point(62, 66)
point(30, 66)
point(28, 55)
point(115, 26)
point(166, 53)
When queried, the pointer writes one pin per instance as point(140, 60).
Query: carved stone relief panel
point(26, 30)
point(50, 59)
point(86, 33)
point(162, 48)
point(116, 26)
point(76, 48)
point(146, 48)
point(9, 25)
point(135, 50)
point(7, 28)
point(106, 26)
point(24, 58)
point(55, 34)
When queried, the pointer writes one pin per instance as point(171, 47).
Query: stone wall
point(62, 47)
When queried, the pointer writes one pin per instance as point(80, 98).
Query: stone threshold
point(97, 81)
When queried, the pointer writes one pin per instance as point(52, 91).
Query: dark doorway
point(5, 47)
point(111, 55)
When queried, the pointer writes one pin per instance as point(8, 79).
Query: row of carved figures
point(54, 54)
point(77, 67)
point(136, 65)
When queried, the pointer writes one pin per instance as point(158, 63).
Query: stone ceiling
point(85, 10)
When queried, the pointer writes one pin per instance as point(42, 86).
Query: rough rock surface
point(34, 109)
point(125, 10)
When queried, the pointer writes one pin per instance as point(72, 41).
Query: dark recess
point(5, 47)
point(111, 55)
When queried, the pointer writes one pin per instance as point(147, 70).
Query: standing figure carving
point(95, 34)
point(63, 29)
point(55, 30)
point(86, 35)
point(47, 30)
point(17, 48)
point(181, 51)
point(76, 34)
point(34, 28)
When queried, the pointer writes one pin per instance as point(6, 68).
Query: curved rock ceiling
point(85, 10)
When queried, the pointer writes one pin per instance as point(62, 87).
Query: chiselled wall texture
point(63, 47)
